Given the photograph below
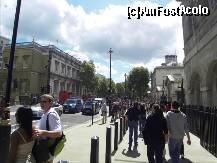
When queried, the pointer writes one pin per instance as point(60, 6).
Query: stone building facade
point(200, 63)
point(159, 87)
point(37, 68)
point(3, 42)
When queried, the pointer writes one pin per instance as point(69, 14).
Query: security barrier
point(203, 123)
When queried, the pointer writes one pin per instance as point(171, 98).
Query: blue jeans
point(174, 149)
point(133, 130)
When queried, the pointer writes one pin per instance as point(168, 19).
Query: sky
point(87, 29)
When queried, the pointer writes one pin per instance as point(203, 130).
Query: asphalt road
point(67, 120)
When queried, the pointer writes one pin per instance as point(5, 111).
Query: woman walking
point(155, 135)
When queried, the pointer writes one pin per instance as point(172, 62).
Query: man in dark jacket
point(133, 114)
point(155, 135)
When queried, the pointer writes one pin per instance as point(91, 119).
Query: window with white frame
point(63, 68)
point(57, 64)
point(68, 71)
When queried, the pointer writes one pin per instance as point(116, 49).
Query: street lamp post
point(110, 82)
point(125, 85)
point(5, 127)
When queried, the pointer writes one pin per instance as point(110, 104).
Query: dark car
point(73, 105)
point(88, 105)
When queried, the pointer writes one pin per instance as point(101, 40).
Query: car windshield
point(70, 101)
point(88, 103)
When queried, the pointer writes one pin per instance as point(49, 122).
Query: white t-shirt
point(104, 109)
point(54, 121)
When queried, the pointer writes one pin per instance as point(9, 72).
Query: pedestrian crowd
point(153, 122)
point(158, 126)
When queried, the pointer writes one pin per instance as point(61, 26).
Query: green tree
point(113, 88)
point(120, 89)
point(87, 75)
point(102, 86)
point(138, 80)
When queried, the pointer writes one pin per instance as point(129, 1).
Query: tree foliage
point(138, 80)
point(120, 90)
point(87, 75)
point(102, 86)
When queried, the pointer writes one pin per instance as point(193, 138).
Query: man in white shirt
point(54, 129)
point(104, 113)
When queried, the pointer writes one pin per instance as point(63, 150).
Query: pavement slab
point(78, 146)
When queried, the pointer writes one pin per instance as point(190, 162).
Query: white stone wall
point(160, 74)
point(200, 61)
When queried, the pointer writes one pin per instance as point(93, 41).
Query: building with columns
point(200, 63)
point(37, 68)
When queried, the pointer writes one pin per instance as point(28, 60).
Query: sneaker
point(129, 149)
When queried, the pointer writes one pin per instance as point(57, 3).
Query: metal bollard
point(94, 154)
point(121, 129)
point(124, 126)
point(116, 137)
point(108, 145)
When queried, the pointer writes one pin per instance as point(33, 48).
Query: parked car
point(37, 112)
point(58, 108)
point(73, 105)
point(88, 105)
point(100, 101)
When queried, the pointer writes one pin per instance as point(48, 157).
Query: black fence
point(203, 123)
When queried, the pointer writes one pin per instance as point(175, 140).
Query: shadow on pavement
point(185, 160)
point(134, 153)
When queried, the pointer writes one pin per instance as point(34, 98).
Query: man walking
point(53, 118)
point(178, 127)
point(104, 113)
point(133, 114)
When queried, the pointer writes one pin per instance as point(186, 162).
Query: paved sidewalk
point(77, 149)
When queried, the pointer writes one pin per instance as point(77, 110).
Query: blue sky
point(87, 29)
point(95, 5)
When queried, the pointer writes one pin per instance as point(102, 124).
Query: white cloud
point(78, 55)
point(104, 70)
point(90, 35)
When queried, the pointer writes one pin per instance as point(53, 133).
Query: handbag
point(58, 143)
point(40, 150)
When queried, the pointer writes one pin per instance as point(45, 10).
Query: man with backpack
point(49, 125)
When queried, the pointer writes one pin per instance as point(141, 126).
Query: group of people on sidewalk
point(25, 137)
point(158, 129)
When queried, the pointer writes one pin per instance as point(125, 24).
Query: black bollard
point(4, 142)
point(108, 145)
point(121, 129)
point(124, 122)
point(116, 137)
point(94, 154)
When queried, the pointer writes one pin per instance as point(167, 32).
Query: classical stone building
point(38, 68)
point(3, 42)
point(161, 84)
point(200, 48)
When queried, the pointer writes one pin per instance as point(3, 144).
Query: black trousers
point(155, 152)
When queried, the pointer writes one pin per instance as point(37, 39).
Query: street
point(67, 120)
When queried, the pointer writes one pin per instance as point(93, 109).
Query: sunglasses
point(44, 101)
